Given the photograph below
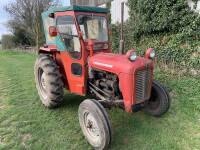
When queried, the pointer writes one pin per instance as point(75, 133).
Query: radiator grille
point(143, 78)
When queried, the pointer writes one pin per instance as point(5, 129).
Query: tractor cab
point(75, 28)
point(76, 32)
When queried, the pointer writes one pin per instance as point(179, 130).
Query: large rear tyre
point(95, 124)
point(159, 102)
point(48, 81)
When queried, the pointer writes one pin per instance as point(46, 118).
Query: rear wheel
point(159, 102)
point(95, 124)
point(48, 81)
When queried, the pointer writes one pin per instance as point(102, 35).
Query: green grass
point(26, 124)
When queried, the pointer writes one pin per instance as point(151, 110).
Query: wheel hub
point(43, 82)
point(92, 127)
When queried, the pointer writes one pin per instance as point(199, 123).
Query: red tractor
point(77, 56)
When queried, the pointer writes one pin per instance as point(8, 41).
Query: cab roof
point(79, 9)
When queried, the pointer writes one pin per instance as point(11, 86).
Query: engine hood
point(116, 63)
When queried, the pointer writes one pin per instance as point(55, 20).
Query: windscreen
point(93, 27)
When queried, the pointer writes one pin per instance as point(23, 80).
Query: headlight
point(133, 56)
point(150, 54)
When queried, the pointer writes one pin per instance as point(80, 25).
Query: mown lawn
point(26, 124)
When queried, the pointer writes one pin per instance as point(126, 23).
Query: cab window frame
point(95, 15)
point(73, 19)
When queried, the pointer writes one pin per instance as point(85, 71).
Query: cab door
point(71, 52)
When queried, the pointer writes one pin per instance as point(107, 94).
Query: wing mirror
point(53, 31)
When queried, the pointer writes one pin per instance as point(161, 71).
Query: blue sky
point(4, 17)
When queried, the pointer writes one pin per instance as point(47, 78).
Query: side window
point(76, 69)
point(68, 32)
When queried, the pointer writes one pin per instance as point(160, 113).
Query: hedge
point(168, 26)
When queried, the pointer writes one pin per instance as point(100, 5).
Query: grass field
point(26, 124)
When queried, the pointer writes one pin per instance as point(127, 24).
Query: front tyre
point(95, 124)
point(159, 102)
point(48, 81)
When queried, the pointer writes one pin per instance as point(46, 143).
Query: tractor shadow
point(135, 130)
point(72, 100)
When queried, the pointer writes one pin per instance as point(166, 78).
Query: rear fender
point(48, 49)
point(52, 50)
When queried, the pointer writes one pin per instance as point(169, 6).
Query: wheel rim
point(92, 128)
point(42, 83)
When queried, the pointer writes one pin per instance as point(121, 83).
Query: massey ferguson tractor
point(77, 56)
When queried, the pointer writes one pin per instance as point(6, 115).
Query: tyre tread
point(55, 92)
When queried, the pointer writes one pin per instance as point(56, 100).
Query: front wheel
point(159, 102)
point(95, 124)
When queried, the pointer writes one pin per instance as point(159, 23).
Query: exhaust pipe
point(121, 44)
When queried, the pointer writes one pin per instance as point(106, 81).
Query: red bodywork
point(101, 60)
point(124, 69)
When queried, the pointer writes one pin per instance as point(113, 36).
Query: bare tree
point(26, 16)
